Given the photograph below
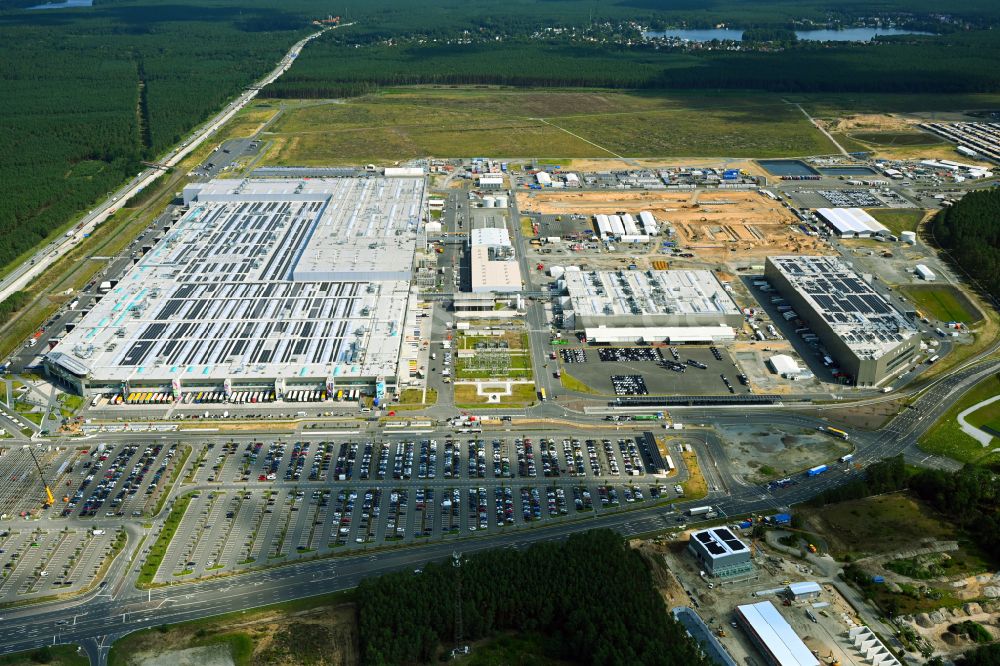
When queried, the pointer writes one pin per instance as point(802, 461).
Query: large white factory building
point(268, 285)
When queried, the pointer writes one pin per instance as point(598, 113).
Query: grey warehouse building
point(649, 299)
point(261, 285)
point(868, 338)
point(720, 552)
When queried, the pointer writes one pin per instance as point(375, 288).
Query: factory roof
point(868, 324)
point(675, 334)
point(489, 274)
point(852, 221)
point(490, 237)
point(777, 636)
point(804, 587)
point(245, 285)
point(784, 364)
point(691, 292)
point(718, 542)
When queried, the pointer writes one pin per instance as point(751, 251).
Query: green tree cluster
point(970, 232)
point(12, 304)
point(970, 497)
point(592, 595)
point(90, 93)
point(885, 476)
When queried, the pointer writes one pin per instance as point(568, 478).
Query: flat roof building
point(720, 552)
point(852, 222)
point(674, 335)
point(634, 299)
point(773, 636)
point(260, 284)
point(494, 267)
point(866, 335)
point(803, 590)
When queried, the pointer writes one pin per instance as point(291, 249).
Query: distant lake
point(69, 4)
point(847, 35)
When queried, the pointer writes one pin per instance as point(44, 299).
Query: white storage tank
point(489, 202)
point(501, 202)
point(909, 237)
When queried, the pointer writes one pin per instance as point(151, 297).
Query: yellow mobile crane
point(49, 498)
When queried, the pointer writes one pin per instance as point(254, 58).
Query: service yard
point(585, 364)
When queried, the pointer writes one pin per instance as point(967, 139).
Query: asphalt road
point(117, 609)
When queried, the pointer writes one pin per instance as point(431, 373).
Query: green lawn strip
point(946, 437)
point(898, 220)
point(159, 548)
point(942, 302)
point(571, 383)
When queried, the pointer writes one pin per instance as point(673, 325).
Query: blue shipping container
point(815, 471)
point(781, 519)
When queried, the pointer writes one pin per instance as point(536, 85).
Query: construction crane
point(49, 498)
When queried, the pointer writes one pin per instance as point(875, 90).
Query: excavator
point(49, 498)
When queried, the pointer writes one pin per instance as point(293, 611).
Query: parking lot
point(687, 370)
point(38, 563)
point(280, 500)
point(94, 481)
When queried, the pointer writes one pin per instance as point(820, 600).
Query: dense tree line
point(591, 596)
point(12, 304)
point(971, 233)
point(70, 81)
point(955, 63)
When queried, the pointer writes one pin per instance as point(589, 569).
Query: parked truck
point(699, 511)
point(817, 470)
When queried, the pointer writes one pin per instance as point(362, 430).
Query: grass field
point(413, 396)
point(57, 655)
point(898, 219)
point(892, 523)
point(946, 437)
point(897, 138)
point(405, 123)
point(521, 394)
point(942, 302)
point(280, 633)
point(695, 487)
point(573, 384)
point(875, 525)
point(986, 416)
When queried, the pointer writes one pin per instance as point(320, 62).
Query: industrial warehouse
point(270, 285)
point(864, 333)
point(773, 636)
point(852, 222)
point(656, 305)
point(494, 267)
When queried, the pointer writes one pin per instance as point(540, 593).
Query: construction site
point(715, 224)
